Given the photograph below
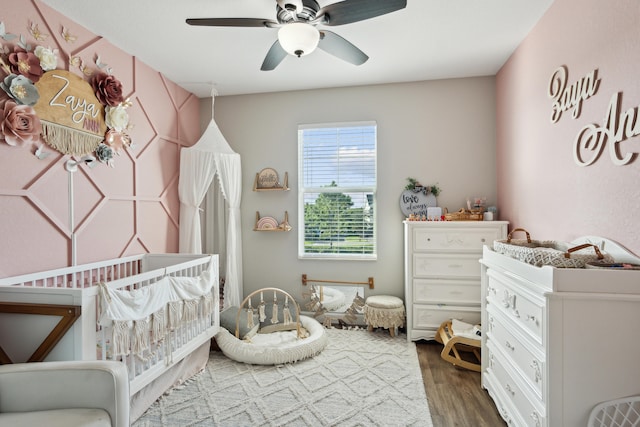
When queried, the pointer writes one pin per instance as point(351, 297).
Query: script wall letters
point(592, 138)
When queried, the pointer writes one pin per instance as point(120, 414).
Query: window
point(337, 191)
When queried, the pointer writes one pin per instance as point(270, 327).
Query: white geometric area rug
point(360, 379)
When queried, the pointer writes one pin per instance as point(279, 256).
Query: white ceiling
point(429, 39)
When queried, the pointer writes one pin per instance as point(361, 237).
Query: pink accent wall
point(540, 187)
point(130, 209)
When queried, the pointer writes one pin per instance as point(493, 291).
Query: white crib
point(23, 329)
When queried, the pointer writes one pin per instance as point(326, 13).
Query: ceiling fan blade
point(348, 11)
point(339, 47)
point(232, 22)
point(274, 57)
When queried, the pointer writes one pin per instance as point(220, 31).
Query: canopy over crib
point(209, 157)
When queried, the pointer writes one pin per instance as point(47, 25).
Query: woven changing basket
point(549, 252)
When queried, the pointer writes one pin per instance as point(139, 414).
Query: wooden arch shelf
point(279, 187)
point(283, 226)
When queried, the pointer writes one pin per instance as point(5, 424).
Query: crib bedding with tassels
point(150, 311)
point(145, 326)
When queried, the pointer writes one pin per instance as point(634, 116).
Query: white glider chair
point(73, 393)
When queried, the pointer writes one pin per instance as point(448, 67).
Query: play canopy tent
point(212, 156)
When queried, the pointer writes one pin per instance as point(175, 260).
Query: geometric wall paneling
point(186, 106)
point(170, 202)
point(156, 167)
point(122, 66)
point(109, 229)
point(74, 37)
point(156, 229)
point(134, 248)
point(29, 240)
point(157, 103)
point(178, 96)
point(187, 132)
point(129, 209)
point(87, 196)
point(119, 180)
point(19, 167)
point(49, 191)
point(143, 132)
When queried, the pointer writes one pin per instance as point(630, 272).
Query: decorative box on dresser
point(558, 341)
point(442, 272)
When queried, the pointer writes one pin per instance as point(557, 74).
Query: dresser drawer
point(454, 239)
point(446, 291)
point(528, 361)
point(431, 316)
point(522, 308)
point(448, 266)
point(529, 409)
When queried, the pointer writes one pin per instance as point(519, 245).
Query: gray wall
point(435, 131)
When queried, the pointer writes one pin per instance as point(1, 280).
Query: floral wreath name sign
point(72, 117)
point(76, 114)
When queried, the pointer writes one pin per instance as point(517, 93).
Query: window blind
point(337, 188)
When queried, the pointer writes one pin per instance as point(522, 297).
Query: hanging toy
point(261, 307)
point(286, 313)
point(250, 315)
point(274, 315)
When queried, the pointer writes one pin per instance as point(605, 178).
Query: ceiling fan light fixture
point(298, 38)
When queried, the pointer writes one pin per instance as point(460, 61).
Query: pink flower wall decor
point(19, 124)
point(69, 124)
point(108, 89)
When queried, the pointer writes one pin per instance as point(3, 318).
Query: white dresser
point(556, 342)
point(442, 271)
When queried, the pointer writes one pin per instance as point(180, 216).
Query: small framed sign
point(416, 202)
point(268, 178)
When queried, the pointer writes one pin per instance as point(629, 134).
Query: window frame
point(302, 190)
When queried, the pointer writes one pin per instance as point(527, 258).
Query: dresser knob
point(509, 346)
point(533, 319)
point(536, 418)
point(509, 389)
point(537, 374)
point(505, 415)
point(506, 300)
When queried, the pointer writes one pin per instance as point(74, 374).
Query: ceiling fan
point(297, 21)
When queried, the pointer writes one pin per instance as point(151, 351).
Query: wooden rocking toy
point(454, 344)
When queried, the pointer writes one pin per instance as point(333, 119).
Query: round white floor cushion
point(276, 347)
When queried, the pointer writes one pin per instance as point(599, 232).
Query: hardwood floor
point(455, 395)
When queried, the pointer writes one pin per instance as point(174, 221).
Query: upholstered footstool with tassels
point(384, 311)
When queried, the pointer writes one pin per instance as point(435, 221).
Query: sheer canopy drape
point(199, 164)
